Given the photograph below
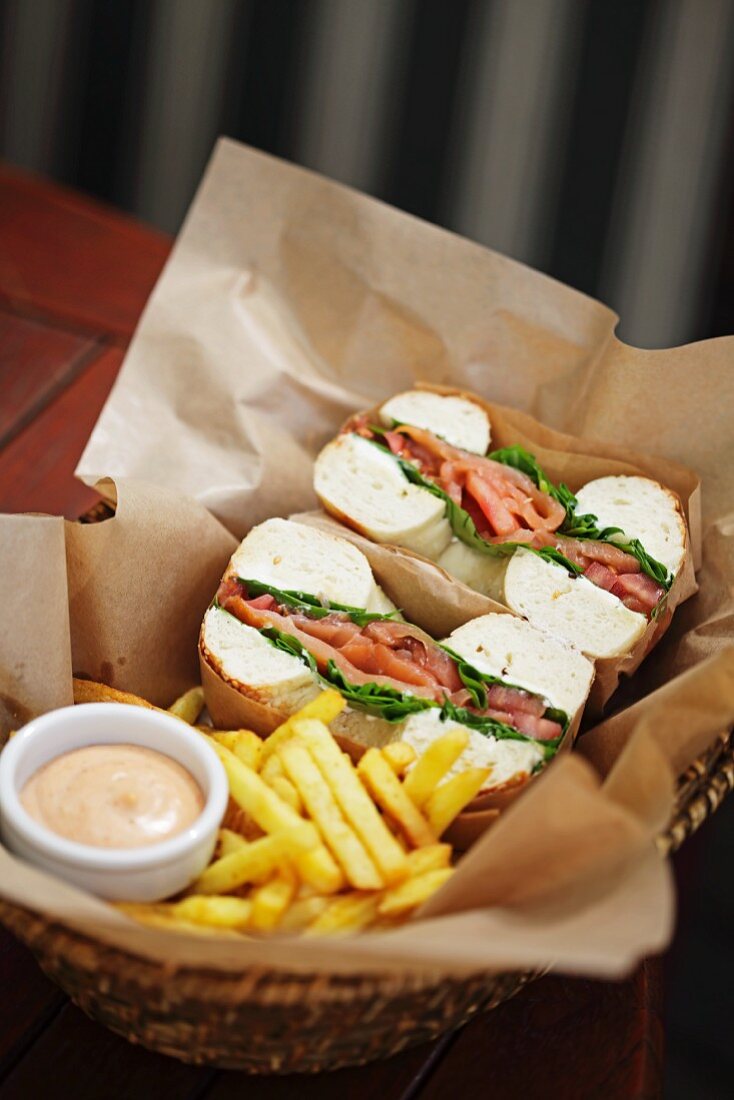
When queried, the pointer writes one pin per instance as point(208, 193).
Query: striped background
point(590, 138)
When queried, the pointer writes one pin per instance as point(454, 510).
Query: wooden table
point(74, 277)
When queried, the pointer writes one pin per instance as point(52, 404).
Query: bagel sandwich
point(593, 568)
point(267, 648)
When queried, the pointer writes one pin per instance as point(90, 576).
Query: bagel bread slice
point(644, 510)
point(460, 421)
point(364, 487)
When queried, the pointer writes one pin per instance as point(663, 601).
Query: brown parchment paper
point(288, 303)
point(35, 660)
point(139, 584)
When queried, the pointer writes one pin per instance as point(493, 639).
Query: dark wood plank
point(28, 1003)
point(389, 1080)
point(67, 257)
point(74, 1057)
point(562, 1037)
point(37, 467)
point(36, 362)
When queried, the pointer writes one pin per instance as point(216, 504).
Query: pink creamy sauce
point(113, 796)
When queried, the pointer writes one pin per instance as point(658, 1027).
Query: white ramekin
point(149, 873)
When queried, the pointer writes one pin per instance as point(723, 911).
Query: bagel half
point(256, 676)
point(398, 487)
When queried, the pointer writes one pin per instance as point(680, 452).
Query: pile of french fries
point(312, 843)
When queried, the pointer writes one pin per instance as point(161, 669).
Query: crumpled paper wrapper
point(288, 303)
point(34, 676)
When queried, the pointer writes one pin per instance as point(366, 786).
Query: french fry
point(287, 792)
point(448, 800)
point(356, 805)
point(245, 745)
point(347, 913)
point(409, 895)
point(271, 768)
point(217, 911)
point(431, 858)
point(253, 862)
point(302, 912)
point(433, 763)
point(399, 755)
point(240, 822)
point(88, 691)
point(388, 793)
point(324, 708)
point(270, 812)
point(322, 807)
point(320, 871)
point(188, 706)
point(270, 901)
point(161, 916)
point(229, 841)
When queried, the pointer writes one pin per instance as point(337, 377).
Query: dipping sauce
point(113, 796)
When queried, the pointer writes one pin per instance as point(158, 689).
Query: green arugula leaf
point(310, 605)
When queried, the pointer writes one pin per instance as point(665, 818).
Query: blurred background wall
point(593, 139)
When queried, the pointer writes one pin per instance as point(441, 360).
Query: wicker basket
point(273, 1021)
point(276, 1021)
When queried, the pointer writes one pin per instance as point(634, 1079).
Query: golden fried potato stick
point(302, 912)
point(355, 803)
point(217, 912)
point(433, 763)
point(271, 813)
point(323, 708)
point(245, 744)
point(254, 862)
point(287, 792)
point(399, 755)
point(388, 793)
point(188, 706)
point(431, 858)
point(320, 871)
point(229, 841)
point(160, 915)
point(322, 807)
point(317, 867)
point(271, 900)
point(271, 767)
point(409, 895)
point(448, 800)
point(348, 913)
